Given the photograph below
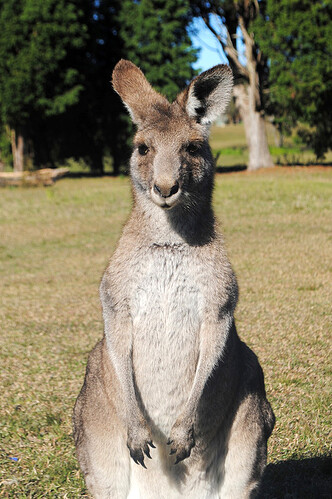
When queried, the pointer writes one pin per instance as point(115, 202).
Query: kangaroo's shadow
point(298, 479)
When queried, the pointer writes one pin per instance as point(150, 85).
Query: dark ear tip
point(226, 70)
point(220, 70)
point(122, 67)
point(123, 64)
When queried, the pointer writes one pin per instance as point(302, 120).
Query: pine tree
point(56, 60)
point(155, 34)
point(96, 126)
point(35, 79)
point(296, 36)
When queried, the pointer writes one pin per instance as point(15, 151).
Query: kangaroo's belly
point(166, 308)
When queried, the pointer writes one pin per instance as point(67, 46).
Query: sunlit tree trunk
point(255, 129)
point(247, 89)
point(17, 142)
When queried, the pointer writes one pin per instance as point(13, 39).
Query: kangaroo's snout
point(165, 190)
point(165, 187)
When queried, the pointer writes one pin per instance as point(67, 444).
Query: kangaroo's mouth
point(166, 206)
point(165, 202)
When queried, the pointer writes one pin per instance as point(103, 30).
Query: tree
point(235, 19)
point(296, 36)
point(103, 120)
point(56, 59)
point(35, 80)
point(155, 34)
point(5, 147)
point(55, 91)
point(96, 125)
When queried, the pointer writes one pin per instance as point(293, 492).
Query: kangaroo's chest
point(167, 304)
point(167, 293)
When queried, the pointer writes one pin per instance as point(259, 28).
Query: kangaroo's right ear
point(208, 95)
point(135, 91)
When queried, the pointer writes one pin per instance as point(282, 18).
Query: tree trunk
point(97, 164)
point(250, 106)
point(255, 129)
point(17, 142)
point(247, 97)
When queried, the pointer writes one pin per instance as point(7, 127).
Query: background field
point(54, 246)
point(231, 151)
point(230, 144)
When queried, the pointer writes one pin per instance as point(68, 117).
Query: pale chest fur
point(167, 300)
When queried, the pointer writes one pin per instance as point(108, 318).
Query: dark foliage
point(296, 36)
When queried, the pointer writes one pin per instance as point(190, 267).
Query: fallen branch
point(46, 176)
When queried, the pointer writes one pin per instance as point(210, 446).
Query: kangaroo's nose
point(166, 191)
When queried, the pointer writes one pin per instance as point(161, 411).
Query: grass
point(229, 143)
point(54, 246)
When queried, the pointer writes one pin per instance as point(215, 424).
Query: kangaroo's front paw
point(138, 442)
point(182, 439)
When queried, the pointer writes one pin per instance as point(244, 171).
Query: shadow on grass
point(230, 169)
point(298, 479)
point(88, 174)
point(307, 164)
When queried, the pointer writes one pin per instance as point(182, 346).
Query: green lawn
point(54, 246)
point(229, 143)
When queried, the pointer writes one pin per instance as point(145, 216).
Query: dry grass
point(54, 245)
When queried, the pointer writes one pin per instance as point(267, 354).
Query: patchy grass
point(230, 147)
point(54, 246)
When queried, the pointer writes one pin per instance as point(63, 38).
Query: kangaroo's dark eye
point(193, 148)
point(143, 149)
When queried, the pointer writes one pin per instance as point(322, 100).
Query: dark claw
point(138, 457)
point(173, 451)
point(169, 441)
point(140, 460)
point(147, 451)
point(183, 455)
point(151, 444)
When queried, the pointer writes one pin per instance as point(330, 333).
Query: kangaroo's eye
point(193, 148)
point(143, 149)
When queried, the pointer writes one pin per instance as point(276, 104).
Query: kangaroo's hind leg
point(99, 436)
point(250, 427)
point(245, 458)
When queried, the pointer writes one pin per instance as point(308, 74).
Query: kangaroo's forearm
point(213, 338)
point(118, 335)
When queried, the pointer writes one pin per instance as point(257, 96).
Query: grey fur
point(171, 380)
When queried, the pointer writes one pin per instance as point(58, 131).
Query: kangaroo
point(173, 403)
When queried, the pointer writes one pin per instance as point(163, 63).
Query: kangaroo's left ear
point(208, 95)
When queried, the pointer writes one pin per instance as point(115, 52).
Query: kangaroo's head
point(172, 164)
